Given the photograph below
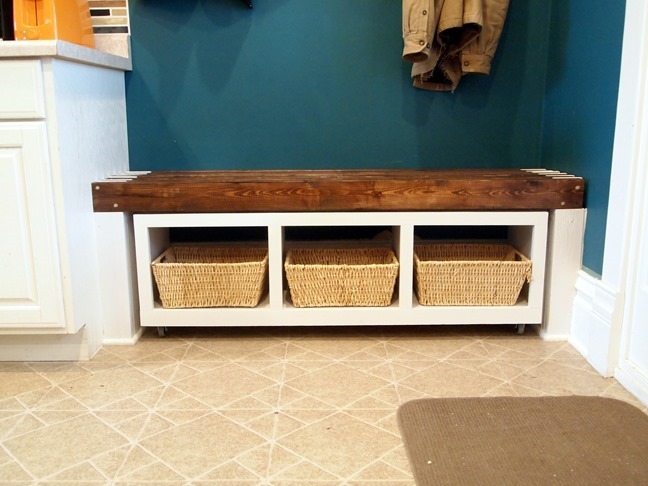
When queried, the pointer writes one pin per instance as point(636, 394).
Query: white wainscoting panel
point(596, 315)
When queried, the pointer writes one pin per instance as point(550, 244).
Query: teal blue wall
point(320, 84)
point(580, 104)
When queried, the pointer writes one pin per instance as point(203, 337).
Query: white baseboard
point(634, 380)
point(124, 341)
point(45, 347)
point(595, 320)
point(554, 337)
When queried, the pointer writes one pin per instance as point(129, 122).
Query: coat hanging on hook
point(448, 39)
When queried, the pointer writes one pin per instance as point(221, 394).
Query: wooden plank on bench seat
point(338, 190)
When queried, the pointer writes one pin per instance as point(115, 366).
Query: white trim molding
point(611, 328)
point(601, 322)
point(596, 319)
point(633, 379)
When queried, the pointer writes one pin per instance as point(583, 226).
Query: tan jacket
point(445, 39)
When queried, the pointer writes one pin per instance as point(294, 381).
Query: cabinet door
point(30, 283)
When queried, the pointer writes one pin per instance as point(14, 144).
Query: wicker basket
point(194, 276)
point(469, 274)
point(327, 277)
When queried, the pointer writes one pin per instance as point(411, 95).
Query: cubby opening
point(338, 234)
point(518, 236)
point(237, 247)
point(207, 235)
point(330, 239)
point(461, 232)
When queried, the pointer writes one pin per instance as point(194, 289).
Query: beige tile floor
point(299, 406)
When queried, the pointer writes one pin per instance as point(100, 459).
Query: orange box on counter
point(67, 20)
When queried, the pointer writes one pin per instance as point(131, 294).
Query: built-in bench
point(539, 210)
point(338, 190)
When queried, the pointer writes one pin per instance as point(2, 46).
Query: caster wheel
point(519, 328)
point(162, 331)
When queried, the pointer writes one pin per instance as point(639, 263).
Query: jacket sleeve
point(420, 19)
point(459, 25)
point(477, 56)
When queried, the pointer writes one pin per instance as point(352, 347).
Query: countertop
point(63, 50)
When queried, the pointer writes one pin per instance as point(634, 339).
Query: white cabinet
point(30, 283)
point(526, 230)
point(62, 125)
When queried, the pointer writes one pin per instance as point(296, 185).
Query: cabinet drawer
point(21, 90)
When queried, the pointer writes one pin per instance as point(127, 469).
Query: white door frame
point(630, 178)
point(610, 297)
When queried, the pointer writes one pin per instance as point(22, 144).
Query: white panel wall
point(90, 109)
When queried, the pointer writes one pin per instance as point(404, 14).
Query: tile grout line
point(210, 410)
point(17, 461)
point(134, 443)
point(28, 412)
point(273, 443)
point(379, 460)
point(277, 411)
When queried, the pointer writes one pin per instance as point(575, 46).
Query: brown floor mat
point(525, 440)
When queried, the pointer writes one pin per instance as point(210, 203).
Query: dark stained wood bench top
point(337, 190)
